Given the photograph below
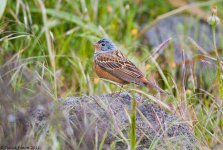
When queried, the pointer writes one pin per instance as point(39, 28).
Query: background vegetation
point(52, 39)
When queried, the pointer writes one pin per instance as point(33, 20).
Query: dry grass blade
point(49, 44)
point(157, 101)
point(155, 52)
point(160, 47)
point(198, 46)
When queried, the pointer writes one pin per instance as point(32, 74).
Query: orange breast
point(106, 75)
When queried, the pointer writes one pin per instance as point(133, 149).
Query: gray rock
point(181, 28)
point(93, 116)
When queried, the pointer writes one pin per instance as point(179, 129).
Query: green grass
point(53, 40)
point(132, 130)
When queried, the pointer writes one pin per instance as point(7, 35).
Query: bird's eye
point(103, 44)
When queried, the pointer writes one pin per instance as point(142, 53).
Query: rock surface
point(108, 116)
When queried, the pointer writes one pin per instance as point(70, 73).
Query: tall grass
point(53, 40)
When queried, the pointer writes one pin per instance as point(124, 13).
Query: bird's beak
point(95, 44)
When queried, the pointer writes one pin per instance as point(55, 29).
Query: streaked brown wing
point(119, 66)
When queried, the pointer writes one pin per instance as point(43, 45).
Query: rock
point(182, 29)
point(108, 115)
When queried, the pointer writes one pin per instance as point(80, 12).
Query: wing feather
point(119, 66)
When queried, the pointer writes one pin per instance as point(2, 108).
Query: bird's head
point(104, 45)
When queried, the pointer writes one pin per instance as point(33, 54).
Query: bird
point(110, 63)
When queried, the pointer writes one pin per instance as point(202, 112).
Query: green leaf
point(2, 7)
point(72, 18)
point(66, 16)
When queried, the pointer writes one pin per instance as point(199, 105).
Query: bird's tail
point(153, 85)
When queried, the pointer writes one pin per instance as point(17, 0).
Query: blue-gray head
point(104, 45)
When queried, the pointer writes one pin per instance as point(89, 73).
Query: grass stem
point(49, 44)
point(133, 125)
point(219, 74)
